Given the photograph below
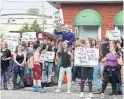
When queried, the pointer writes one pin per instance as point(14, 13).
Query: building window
point(11, 21)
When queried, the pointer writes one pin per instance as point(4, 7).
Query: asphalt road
point(75, 89)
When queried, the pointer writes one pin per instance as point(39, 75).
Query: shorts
point(86, 72)
point(37, 72)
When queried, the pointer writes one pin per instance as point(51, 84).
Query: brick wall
point(107, 11)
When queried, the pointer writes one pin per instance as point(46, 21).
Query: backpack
point(20, 84)
point(28, 80)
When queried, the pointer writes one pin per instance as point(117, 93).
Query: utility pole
point(43, 16)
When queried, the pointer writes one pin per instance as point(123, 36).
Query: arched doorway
point(119, 22)
point(88, 22)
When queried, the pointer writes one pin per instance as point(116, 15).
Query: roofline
point(53, 2)
point(24, 14)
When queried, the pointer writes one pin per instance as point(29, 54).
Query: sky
point(21, 6)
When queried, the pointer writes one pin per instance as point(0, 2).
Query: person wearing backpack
point(66, 58)
point(5, 56)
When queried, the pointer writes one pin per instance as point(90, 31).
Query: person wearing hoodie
point(67, 35)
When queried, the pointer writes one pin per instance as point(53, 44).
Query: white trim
point(76, 30)
point(116, 28)
point(99, 33)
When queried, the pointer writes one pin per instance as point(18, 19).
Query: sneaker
point(57, 91)
point(41, 90)
point(14, 88)
point(102, 96)
point(97, 92)
point(120, 93)
point(114, 97)
point(35, 89)
point(69, 91)
point(82, 95)
point(72, 82)
point(91, 95)
point(5, 88)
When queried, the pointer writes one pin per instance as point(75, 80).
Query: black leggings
point(18, 71)
point(112, 79)
point(86, 72)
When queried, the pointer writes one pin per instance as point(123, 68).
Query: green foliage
point(35, 27)
point(34, 11)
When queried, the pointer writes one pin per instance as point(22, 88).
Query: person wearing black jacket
point(105, 46)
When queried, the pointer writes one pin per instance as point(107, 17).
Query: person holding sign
point(66, 58)
point(67, 35)
point(48, 65)
point(87, 72)
point(111, 69)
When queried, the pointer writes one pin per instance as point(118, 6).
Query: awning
point(119, 18)
point(88, 17)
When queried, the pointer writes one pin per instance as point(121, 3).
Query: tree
point(25, 28)
point(35, 27)
point(34, 11)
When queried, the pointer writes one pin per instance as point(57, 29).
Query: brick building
point(91, 18)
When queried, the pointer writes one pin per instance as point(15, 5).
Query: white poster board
point(113, 34)
point(47, 56)
point(86, 57)
point(58, 17)
point(29, 36)
point(12, 40)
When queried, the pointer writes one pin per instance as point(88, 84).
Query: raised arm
point(57, 33)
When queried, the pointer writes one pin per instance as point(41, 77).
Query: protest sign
point(86, 56)
point(113, 34)
point(11, 37)
point(12, 40)
point(29, 36)
point(58, 17)
point(47, 56)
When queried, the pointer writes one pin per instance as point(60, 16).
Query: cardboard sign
point(47, 56)
point(12, 40)
point(11, 37)
point(29, 36)
point(113, 34)
point(86, 57)
point(58, 17)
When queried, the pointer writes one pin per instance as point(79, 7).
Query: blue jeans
point(10, 69)
point(61, 74)
point(118, 87)
point(96, 74)
point(4, 78)
point(56, 76)
point(47, 72)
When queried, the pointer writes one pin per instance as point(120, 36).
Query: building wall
point(15, 22)
point(107, 11)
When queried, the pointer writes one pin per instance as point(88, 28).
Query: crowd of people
point(26, 60)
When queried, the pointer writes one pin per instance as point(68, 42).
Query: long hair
point(16, 50)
